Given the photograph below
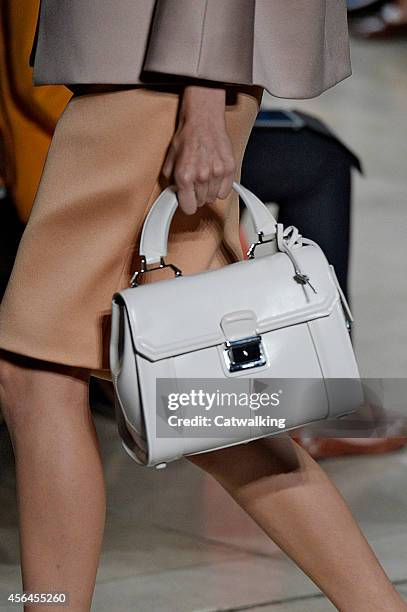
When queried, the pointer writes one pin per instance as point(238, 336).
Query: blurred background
point(174, 541)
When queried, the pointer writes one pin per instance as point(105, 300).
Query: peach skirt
point(80, 245)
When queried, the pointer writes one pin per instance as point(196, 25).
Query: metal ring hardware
point(144, 269)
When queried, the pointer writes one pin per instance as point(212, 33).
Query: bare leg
point(60, 485)
point(286, 492)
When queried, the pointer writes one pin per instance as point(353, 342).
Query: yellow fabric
point(28, 115)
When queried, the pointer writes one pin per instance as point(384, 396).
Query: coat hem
point(274, 92)
point(22, 351)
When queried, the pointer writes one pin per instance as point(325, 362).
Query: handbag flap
point(187, 313)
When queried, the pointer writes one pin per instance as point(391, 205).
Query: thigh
point(38, 396)
point(322, 212)
point(309, 177)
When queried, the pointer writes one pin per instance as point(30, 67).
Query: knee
point(336, 165)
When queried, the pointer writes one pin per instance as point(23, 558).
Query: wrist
point(199, 100)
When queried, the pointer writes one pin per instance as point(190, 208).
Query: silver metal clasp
point(144, 269)
point(260, 240)
point(244, 354)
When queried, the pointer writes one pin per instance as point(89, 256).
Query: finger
point(202, 176)
point(215, 184)
point(228, 177)
point(226, 187)
point(187, 199)
point(201, 191)
point(184, 183)
point(168, 167)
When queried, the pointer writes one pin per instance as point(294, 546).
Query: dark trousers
point(309, 176)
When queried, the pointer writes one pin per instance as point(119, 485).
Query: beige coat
point(293, 48)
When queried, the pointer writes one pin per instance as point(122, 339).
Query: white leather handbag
point(277, 317)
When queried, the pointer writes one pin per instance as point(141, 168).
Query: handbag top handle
point(154, 236)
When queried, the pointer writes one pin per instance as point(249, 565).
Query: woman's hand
point(200, 159)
